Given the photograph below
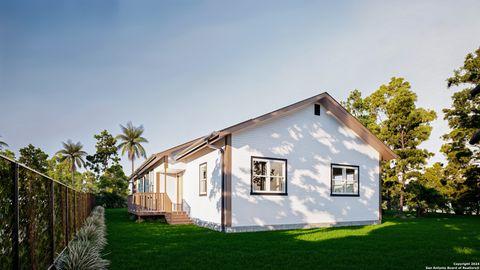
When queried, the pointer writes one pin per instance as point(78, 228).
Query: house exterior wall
point(310, 143)
point(205, 210)
point(171, 182)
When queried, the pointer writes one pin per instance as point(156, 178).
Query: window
point(344, 180)
point(203, 179)
point(141, 184)
point(317, 109)
point(269, 176)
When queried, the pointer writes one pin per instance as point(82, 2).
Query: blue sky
point(69, 69)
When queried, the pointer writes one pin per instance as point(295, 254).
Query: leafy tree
point(114, 180)
point(462, 172)
point(60, 169)
point(3, 144)
point(391, 113)
point(428, 191)
point(131, 142)
point(73, 154)
point(7, 153)
point(106, 153)
point(34, 158)
point(421, 198)
point(89, 182)
point(113, 187)
point(361, 108)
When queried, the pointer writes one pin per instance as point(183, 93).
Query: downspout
point(222, 153)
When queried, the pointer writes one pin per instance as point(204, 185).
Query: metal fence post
point(52, 221)
point(67, 212)
point(74, 212)
point(16, 218)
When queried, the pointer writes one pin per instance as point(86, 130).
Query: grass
point(411, 243)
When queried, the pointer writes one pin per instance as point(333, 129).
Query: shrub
point(111, 200)
point(93, 235)
point(81, 255)
point(84, 251)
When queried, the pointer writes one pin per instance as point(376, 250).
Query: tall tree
point(462, 171)
point(34, 158)
point(391, 113)
point(60, 169)
point(131, 142)
point(361, 108)
point(2, 144)
point(73, 154)
point(105, 155)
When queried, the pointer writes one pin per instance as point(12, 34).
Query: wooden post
point(227, 163)
point(380, 189)
point(165, 166)
point(178, 196)
point(157, 196)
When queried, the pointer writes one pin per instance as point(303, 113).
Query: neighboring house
point(310, 164)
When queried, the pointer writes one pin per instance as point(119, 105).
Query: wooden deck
point(151, 204)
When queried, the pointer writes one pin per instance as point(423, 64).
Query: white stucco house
point(310, 164)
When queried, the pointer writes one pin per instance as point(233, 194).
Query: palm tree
point(3, 144)
point(72, 152)
point(131, 142)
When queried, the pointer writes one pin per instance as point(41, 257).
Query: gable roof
point(328, 102)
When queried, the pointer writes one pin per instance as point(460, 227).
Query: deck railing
point(153, 202)
point(149, 202)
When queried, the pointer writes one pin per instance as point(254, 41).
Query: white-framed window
point(345, 180)
point(150, 182)
point(147, 183)
point(203, 179)
point(141, 185)
point(269, 176)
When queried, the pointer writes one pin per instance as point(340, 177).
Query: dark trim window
point(268, 176)
point(202, 176)
point(345, 180)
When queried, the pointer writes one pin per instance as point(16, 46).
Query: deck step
point(178, 218)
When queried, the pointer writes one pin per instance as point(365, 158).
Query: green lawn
point(412, 243)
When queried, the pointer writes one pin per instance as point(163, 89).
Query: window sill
point(269, 193)
point(345, 195)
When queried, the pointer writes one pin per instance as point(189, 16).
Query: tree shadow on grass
point(395, 244)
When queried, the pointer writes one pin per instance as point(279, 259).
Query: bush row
point(85, 250)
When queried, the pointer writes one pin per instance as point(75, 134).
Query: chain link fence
point(38, 216)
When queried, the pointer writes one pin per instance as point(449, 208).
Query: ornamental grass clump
point(81, 255)
point(85, 250)
point(96, 221)
point(93, 235)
